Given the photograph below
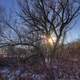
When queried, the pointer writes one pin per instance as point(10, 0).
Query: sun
point(50, 41)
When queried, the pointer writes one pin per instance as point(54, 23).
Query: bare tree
point(44, 17)
point(47, 17)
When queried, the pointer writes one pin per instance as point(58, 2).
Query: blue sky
point(7, 3)
point(72, 35)
point(10, 5)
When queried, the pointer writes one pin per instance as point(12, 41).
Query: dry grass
point(66, 66)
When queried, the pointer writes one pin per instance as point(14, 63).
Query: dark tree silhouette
point(44, 17)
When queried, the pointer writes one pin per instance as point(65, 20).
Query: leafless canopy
point(45, 17)
point(49, 16)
